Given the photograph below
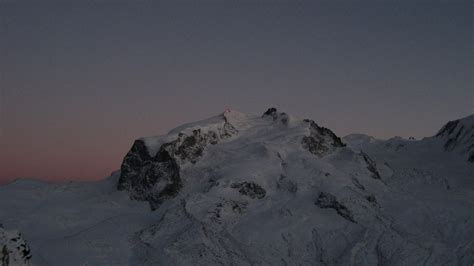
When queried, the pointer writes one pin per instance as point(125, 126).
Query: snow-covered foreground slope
point(73, 223)
point(243, 189)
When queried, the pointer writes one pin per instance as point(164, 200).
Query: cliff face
point(156, 178)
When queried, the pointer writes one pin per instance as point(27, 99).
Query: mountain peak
point(152, 169)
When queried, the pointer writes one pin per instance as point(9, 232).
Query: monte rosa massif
point(271, 189)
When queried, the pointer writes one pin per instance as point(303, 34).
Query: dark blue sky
point(81, 81)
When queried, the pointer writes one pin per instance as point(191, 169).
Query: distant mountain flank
point(455, 136)
point(459, 136)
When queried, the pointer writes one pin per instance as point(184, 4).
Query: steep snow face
point(458, 136)
point(13, 248)
point(244, 189)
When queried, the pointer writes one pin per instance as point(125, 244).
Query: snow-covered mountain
point(271, 189)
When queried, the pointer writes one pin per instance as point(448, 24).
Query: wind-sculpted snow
point(240, 189)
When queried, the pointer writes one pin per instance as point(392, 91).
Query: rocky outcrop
point(153, 179)
point(156, 178)
point(277, 116)
point(250, 189)
point(13, 248)
point(321, 140)
point(371, 165)
point(327, 200)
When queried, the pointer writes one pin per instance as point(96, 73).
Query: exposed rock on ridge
point(277, 116)
point(13, 248)
point(327, 200)
point(250, 189)
point(321, 140)
point(156, 178)
point(371, 165)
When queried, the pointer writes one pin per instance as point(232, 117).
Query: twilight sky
point(79, 82)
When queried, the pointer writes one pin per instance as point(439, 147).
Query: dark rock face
point(276, 116)
point(132, 164)
point(371, 165)
point(250, 189)
point(153, 179)
point(157, 178)
point(4, 255)
point(227, 131)
point(190, 148)
point(14, 250)
point(271, 112)
point(321, 140)
point(327, 200)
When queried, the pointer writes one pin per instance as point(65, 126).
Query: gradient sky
point(79, 82)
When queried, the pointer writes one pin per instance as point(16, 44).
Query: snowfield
point(240, 189)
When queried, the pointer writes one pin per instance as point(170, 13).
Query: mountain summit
point(153, 169)
point(270, 189)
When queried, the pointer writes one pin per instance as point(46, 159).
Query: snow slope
point(245, 189)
